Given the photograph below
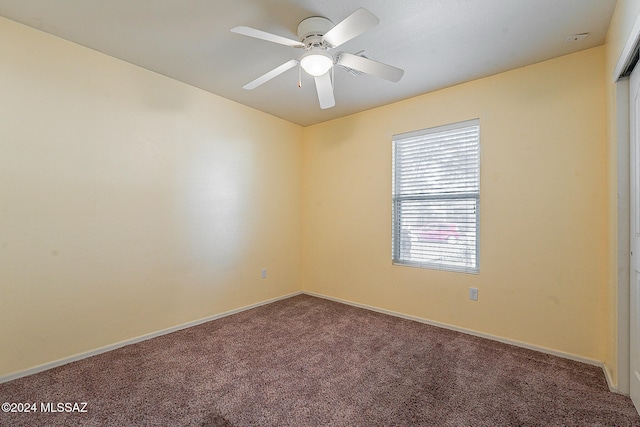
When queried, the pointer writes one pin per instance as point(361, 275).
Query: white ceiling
point(438, 43)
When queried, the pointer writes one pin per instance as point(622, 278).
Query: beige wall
point(543, 230)
point(130, 202)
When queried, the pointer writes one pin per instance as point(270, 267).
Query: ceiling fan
point(317, 35)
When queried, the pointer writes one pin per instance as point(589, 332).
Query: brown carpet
point(305, 361)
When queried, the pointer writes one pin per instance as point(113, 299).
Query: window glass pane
point(436, 198)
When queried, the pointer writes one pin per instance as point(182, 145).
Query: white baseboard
point(552, 352)
point(607, 375)
point(84, 355)
point(145, 337)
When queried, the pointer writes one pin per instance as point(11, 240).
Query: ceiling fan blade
point(258, 34)
point(271, 74)
point(369, 66)
point(325, 91)
point(352, 26)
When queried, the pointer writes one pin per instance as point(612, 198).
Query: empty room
point(314, 213)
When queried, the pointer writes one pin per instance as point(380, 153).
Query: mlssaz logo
point(63, 407)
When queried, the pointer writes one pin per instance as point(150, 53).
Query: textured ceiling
point(438, 43)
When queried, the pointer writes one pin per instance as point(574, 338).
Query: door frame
point(624, 249)
point(622, 134)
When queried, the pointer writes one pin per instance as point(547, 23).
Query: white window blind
point(436, 197)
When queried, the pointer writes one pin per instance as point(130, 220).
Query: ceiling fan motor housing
point(311, 30)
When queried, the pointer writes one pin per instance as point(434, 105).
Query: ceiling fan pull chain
point(299, 75)
point(333, 84)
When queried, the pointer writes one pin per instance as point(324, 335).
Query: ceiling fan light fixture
point(316, 62)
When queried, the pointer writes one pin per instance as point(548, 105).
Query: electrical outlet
point(264, 273)
point(473, 294)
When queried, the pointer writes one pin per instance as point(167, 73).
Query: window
point(436, 197)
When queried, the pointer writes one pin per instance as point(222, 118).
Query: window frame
point(474, 195)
